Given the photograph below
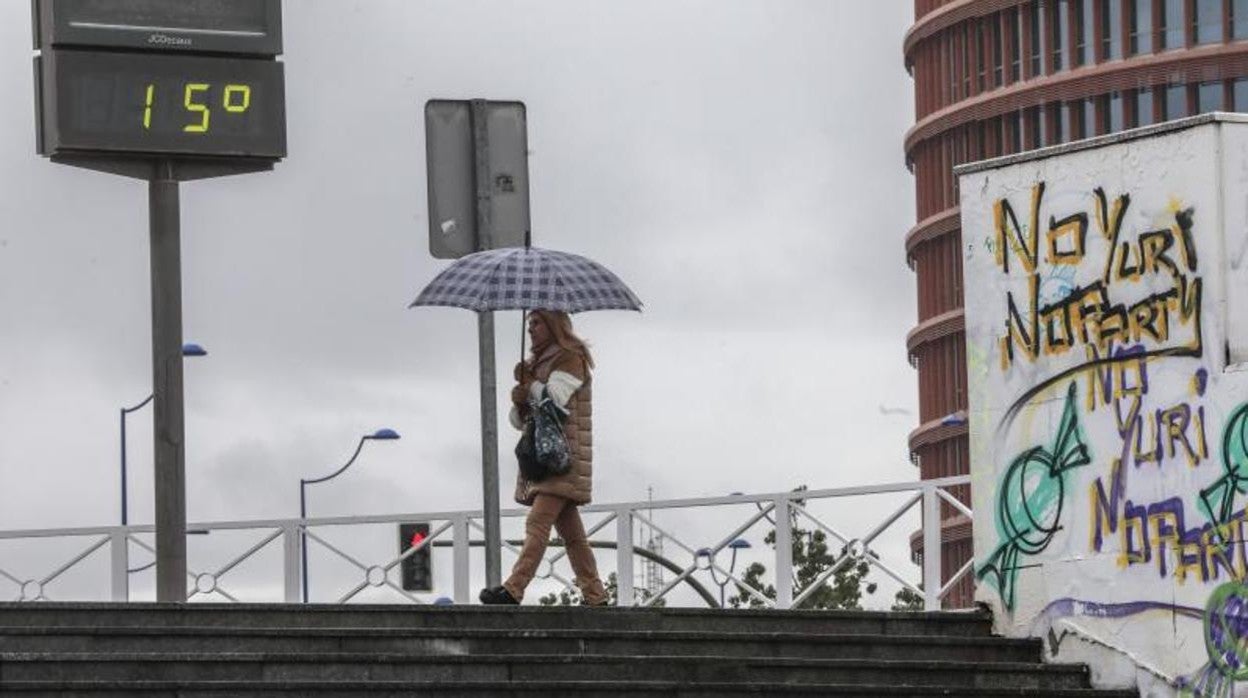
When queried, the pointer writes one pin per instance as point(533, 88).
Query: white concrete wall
point(1109, 417)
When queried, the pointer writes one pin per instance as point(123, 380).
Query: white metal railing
point(782, 510)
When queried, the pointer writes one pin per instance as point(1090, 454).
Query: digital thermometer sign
point(166, 91)
point(161, 104)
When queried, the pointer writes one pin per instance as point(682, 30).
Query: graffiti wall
point(1106, 316)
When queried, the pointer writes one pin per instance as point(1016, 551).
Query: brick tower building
point(996, 77)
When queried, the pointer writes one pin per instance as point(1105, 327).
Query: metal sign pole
point(168, 431)
point(485, 350)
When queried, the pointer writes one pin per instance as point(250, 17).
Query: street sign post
point(165, 91)
point(477, 161)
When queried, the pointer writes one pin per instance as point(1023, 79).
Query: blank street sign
point(451, 163)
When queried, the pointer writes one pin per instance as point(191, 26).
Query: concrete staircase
point(150, 650)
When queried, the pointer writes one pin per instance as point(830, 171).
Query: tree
point(811, 560)
point(907, 600)
point(572, 597)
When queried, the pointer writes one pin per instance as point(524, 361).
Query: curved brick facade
point(996, 77)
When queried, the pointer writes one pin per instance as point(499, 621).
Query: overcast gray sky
point(737, 162)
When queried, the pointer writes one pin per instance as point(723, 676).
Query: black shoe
point(497, 596)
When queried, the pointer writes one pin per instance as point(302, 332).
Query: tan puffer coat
point(577, 483)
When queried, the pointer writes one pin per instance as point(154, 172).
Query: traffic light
point(417, 568)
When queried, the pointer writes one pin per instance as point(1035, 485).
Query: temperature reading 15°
point(196, 104)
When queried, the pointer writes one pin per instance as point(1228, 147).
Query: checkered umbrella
point(527, 278)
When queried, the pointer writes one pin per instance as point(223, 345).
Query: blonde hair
point(560, 325)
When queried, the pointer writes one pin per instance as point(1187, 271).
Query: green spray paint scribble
point(1226, 611)
point(1030, 498)
point(1217, 501)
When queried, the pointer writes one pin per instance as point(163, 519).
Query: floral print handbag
point(543, 450)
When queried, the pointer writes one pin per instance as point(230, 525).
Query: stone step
point(569, 642)
point(149, 615)
point(523, 689)
point(303, 667)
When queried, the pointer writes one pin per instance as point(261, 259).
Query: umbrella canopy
point(527, 278)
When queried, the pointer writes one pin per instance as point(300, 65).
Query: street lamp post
point(379, 435)
point(736, 545)
point(188, 349)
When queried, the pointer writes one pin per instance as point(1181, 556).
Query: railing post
point(624, 556)
point(119, 549)
point(931, 549)
point(459, 568)
point(784, 554)
point(290, 561)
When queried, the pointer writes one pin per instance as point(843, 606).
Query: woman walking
point(560, 364)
